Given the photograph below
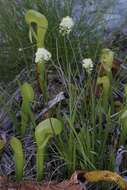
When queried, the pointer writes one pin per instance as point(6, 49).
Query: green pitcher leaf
point(38, 32)
point(16, 146)
point(26, 113)
point(47, 128)
point(41, 22)
point(106, 59)
point(27, 92)
point(43, 132)
point(105, 82)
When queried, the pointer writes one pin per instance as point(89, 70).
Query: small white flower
point(20, 49)
point(66, 25)
point(42, 54)
point(87, 64)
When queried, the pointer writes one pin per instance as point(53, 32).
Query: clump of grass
point(13, 39)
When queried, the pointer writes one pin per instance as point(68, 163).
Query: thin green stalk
point(40, 155)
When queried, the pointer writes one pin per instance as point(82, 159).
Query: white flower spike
point(66, 25)
point(87, 64)
point(42, 54)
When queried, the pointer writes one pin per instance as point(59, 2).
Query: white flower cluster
point(87, 64)
point(66, 25)
point(42, 54)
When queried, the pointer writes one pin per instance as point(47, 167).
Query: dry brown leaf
point(67, 184)
point(76, 182)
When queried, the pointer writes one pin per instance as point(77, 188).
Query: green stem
point(40, 163)
point(42, 79)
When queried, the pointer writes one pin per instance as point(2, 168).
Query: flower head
point(87, 64)
point(42, 55)
point(66, 25)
